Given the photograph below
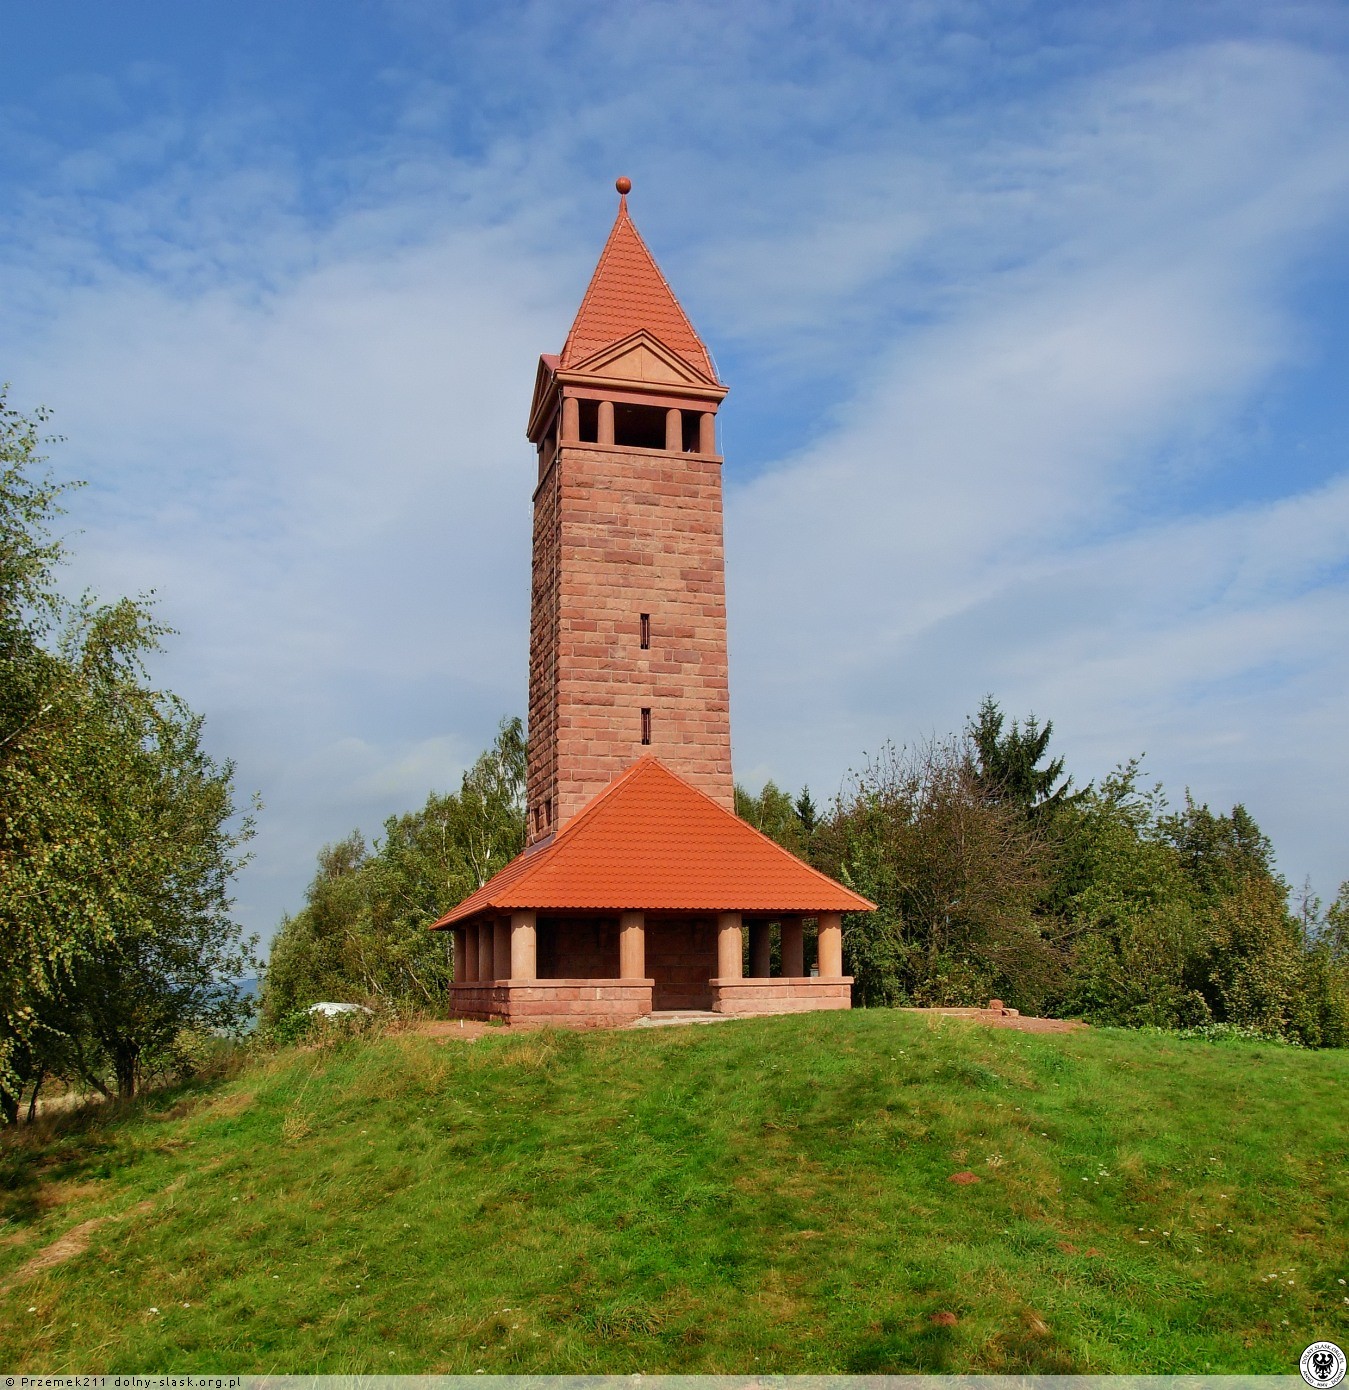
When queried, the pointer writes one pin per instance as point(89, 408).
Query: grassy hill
point(769, 1195)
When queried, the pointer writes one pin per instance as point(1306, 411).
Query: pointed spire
point(627, 293)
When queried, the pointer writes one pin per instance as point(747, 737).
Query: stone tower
point(628, 606)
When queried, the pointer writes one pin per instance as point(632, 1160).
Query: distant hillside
point(772, 1195)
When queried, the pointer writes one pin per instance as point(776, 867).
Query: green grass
point(759, 1196)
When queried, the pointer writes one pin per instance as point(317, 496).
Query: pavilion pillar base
point(782, 995)
point(553, 1003)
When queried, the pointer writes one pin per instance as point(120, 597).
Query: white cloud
point(992, 512)
point(300, 396)
point(326, 483)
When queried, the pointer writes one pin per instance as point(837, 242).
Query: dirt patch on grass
point(61, 1194)
point(228, 1106)
point(66, 1247)
point(75, 1241)
point(64, 1104)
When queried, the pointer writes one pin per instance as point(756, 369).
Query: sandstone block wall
point(619, 532)
point(779, 996)
point(681, 957)
point(556, 1003)
point(544, 632)
point(584, 948)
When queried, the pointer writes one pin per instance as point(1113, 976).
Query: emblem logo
point(1322, 1365)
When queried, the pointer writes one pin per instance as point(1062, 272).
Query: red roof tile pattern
point(651, 842)
point(627, 293)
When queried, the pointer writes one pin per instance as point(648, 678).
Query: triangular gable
point(626, 293)
point(651, 842)
point(543, 386)
point(642, 357)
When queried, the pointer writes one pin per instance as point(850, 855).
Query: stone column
point(606, 427)
point(674, 431)
point(707, 433)
point(486, 969)
point(730, 961)
point(524, 946)
point(571, 419)
point(501, 949)
point(470, 955)
point(632, 946)
point(793, 949)
point(831, 945)
point(760, 950)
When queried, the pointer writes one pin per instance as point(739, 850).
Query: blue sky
point(1034, 319)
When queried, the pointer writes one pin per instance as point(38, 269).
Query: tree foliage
point(993, 877)
point(955, 875)
point(118, 834)
point(790, 823)
point(1009, 764)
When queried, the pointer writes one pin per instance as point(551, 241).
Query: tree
point(1128, 912)
point(171, 961)
point(1334, 930)
point(808, 818)
point(1254, 962)
point(115, 839)
point(1220, 853)
point(36, 804)
point(956, 877)
point(1178, 919)
point(1009, 763)
point(774, 813)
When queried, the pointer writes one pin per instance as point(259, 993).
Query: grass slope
point(769, 1195)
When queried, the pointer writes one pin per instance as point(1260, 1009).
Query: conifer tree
point(1009, 764)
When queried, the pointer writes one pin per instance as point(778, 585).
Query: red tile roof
point(651, 842)
point(627, 293)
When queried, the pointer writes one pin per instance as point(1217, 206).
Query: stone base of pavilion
point(616, 1003)
point(553, 1003)
point(780, 995)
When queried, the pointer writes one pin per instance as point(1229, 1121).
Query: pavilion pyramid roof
point(651, 842)
point(627, 294)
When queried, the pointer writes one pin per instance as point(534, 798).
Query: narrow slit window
point(646, 631)
point(646, 726)
point(548, 811)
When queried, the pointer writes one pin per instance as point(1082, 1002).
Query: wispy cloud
point(998, 508)
point(1003, 288)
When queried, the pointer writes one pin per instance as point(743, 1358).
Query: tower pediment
point(544, 379)
point(641, 357)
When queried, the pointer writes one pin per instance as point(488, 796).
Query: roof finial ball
point(624, 185)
